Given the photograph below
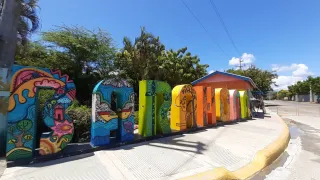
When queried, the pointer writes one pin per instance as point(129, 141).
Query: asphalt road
point(290, 108)
point(301, 160)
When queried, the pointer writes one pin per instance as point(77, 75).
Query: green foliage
point(262, 78)
point(86, 56)
point(89, 51)
point(315, 85)
point(301, 87)
point(140, 60)
point(24, 125)
point(43, 96)
point(180, 67)
point(81, 116)
point(283, 93)
point(147, 58)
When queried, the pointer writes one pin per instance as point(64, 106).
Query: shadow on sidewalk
point(172, 142)
point(60, 161)
point(181, 145)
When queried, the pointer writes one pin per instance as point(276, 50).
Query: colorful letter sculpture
point(244, 102)
point(154, 106)
point(234, 105)
point(183, 108)
point(22, 119)
point(222, 104)
point(104, 119)
point(202, 105)
point(211, 105)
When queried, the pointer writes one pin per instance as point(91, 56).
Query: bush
point(81, 116)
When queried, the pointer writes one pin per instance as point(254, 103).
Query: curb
point(262, 159)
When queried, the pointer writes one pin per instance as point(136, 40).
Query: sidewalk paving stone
point(231, 146)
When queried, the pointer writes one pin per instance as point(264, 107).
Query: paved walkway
point(230, 146)
point(2, 166)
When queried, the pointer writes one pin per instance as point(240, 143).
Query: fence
point(298, 110)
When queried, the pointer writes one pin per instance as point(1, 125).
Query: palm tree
point(18, 19)
point(28, 20)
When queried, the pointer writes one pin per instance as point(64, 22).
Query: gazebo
point(220, 79)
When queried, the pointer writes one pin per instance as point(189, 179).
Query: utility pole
point(240, 63)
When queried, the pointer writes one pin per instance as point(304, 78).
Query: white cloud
point(284, 81)
point(299, 72)
point(246, 59)
point(211, 71)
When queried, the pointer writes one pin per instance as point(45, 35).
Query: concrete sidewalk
point(231, 146)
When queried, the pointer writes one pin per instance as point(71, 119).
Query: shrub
point(81, 116)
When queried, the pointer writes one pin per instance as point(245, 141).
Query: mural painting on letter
point(183, 108)
point(202, 105)
point(154, 107)
point(222, 100)
point(106, 118)
point(21, 132)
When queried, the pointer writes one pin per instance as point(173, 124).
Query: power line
point(224, 26)
point(204, 28)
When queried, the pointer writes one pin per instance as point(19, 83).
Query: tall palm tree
point(18, 19)
point(28, 20)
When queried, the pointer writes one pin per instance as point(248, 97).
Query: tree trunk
point(19, 142)
point(9, 19)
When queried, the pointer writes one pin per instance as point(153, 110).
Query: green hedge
point(81, 116)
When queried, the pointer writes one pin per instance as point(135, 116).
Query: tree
point(9, 19)
point(140, 60)
point(147, 58)
point(86, 56)
point(302, 87)
point(283, 93)
point(180, 67)
point(37, 55)
point(18, 18)
point(315, 85)
point(89, 51)
point(262, 78)
point(28, 20)
point(292, 89)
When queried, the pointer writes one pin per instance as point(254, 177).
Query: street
point(301, 160)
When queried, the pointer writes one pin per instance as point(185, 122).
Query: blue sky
point(279, 35)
